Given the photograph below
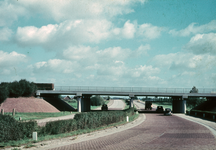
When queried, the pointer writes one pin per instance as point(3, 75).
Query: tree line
point(22, 88)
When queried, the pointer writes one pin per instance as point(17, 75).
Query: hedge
point(15, 130)
point(86, 120)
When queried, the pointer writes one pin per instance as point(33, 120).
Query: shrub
point(97, 100)
point(60, 126)
point(14, 130)
point(86, 120)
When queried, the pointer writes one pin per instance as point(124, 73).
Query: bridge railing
point(132, 89)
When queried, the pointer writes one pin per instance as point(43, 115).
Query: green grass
point(29, 142)
point(74, 104)
point(39, 115)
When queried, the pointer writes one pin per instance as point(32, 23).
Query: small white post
point(203, 115)
point(127, 119)
point(34, 136)
point(213, 117)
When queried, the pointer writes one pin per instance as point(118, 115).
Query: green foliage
point(27, 87)
point(97, 100)
point(57, 127)
point(14, 130)
point(193, 102)
point(90, 120)
point(3, 93)
point(17, 89)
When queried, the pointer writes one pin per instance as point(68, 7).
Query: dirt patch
point(27, 104)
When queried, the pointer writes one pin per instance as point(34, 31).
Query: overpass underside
point(84, 101)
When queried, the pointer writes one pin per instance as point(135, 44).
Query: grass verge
point(164, 104)
point(74, 104)
point(39, 115)
point(30, 142)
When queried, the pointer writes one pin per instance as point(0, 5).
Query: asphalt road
point(156, 132)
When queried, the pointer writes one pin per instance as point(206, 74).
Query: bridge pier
point(178, 105)
point(131, 100)
point(83, 103)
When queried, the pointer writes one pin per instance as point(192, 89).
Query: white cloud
point(11, 59)
point(5, 34)
point(54, 66)
point(192, 29)
point(148, 31)
point(143, 49)
point(202, 43)
point(64, 34)
point(64, 10)
point(87, 55)
point(10, 12)
point(76, 32)
point(128, 30)
point(185, 61)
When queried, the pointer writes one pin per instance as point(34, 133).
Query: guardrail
point(202, 114)
point(132, 89)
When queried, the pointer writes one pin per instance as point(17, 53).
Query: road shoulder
point(208, 124)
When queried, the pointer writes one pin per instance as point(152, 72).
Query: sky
point(111, 43)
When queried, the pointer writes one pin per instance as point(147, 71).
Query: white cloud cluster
point(149, 31)
point(66, 33)
point(192, 29)
point(54, 66)
point(64, 10)
point(86, 54)
point(202, 44)
point(185, 61)
point(79, 32)
point(86, 62)
point(11, 59)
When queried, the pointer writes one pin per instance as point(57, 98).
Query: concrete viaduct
point(83, 93)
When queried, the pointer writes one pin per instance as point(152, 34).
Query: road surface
point(156, 132)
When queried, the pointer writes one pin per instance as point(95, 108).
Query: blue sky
point(143, 43)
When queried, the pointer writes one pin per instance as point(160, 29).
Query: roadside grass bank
point(164, 104)
point(73, 103)
point(169, 105)
point(39, 115)
point(46, 136)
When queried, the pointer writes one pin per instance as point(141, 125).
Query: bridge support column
point(83, 103)
point(178, 105)
point(131, 100)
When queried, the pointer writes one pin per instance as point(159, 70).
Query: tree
point(97, 100)
point(194, 90)
point(21, 88)
point(3, 93)
point(27, 87)
point(15, 89)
